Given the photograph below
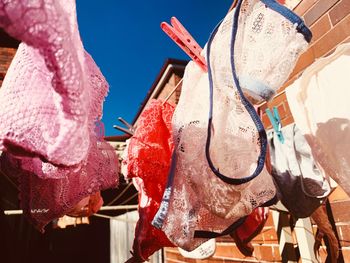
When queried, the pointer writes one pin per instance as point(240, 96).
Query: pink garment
point(44, 200)
point(50, 88)
point(148, 162)
point(50, 101)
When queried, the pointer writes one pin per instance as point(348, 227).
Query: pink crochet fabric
point(46, 95)
point(148, 162)
point(46, 199)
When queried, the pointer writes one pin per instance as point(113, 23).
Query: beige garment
point(196, 200)
point(319, 101)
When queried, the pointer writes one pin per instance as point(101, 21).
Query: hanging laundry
point(206, 250)
point(325, 228)
point(147, 161)
point(44, 200)
point(319, 104)
point(252, 226)
point(217, 175)
point(47, 94)
point(87, 206)
point(302, 187)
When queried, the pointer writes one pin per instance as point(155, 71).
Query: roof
point(117, 138)
point(170, 66)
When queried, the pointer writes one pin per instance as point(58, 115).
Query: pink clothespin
point(185, 41)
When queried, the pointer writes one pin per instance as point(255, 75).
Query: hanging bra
point(208, 192)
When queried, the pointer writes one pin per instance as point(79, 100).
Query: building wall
point(329, 21)
point(168, 88)
point(6, 56)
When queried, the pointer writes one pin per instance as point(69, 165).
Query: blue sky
point(125, 39)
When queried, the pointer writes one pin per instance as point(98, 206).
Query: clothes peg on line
point(128, 130)
point(276, 122)
point(130, 127)
point(177, 32)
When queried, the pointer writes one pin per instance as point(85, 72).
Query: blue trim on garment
point(162, 212)
point(159, 218)
point(291, 16)
point(249, 107)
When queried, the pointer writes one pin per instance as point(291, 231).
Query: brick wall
point(6, 55)
point(329, 21)
point(169, 87)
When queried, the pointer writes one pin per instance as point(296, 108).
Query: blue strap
point(249, 107)
point(291, 16)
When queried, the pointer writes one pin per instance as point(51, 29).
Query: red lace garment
point(148, 162)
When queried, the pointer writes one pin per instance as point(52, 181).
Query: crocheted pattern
point(148, 161)
point(50, 101)
point(267, 48)
point(44, 200)
point(46, 95)
point(195, 198)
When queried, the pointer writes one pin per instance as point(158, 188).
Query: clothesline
point(115, 218)
point(103, 208)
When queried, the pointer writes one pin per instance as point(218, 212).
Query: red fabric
point(253, 224)
point(148, 162)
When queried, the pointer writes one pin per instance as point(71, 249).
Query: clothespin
point(177, 32)
point(128, 130)
point(276, 122)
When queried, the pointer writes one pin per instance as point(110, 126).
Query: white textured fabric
point(199, 200)
point(301, 185)
point(267, 48)
point(206, 250)
point(319, 101)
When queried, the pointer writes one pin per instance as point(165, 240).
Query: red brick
point(335, 36)
point(270, 236)
point(226, 250)
point(314, 13)
point(344, 234)
point(346, 254)
point(303, 6)
point(266, 121)
point(211, 260)
point(339, 11)
point(321, 27)
point(267, 254)
point(288, 120)
point(305, 60)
